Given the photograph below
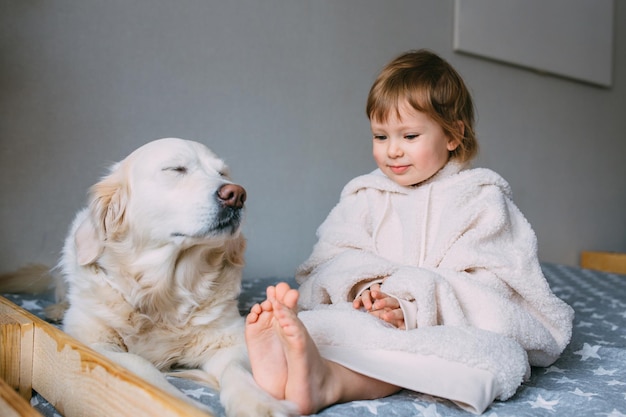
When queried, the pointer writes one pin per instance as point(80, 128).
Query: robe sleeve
point(485, 273)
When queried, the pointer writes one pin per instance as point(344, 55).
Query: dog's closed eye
point(182, 170)
point(179, 169)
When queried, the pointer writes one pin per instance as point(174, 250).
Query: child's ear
point(455, 141)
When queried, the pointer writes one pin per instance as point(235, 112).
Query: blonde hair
point(429, 84)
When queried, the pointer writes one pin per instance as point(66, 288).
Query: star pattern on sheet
point(578, 392)
point(615, 382)
point(602, 371)
point(429, 411)
point(596, 334)
point(565, 380)
point(30, 305)
point(197, 393)
point(371, 405)
point(540, 402)
point(554, 369)
point(588, 351)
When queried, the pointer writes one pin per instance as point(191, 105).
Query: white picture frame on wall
point(568, 38)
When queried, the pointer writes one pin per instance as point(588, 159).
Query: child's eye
point(411, 136)
point(380, 137)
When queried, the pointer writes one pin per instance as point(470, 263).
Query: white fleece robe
point(462, 259)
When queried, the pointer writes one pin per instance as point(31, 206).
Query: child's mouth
point(399, 169)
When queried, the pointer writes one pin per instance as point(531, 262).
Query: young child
point(425, 275)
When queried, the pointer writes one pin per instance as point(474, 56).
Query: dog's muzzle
point(231, 199)
point(231, 196)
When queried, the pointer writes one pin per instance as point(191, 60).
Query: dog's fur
point(153, 267)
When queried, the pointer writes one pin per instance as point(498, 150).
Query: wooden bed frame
point(613, 262)
point(75, 379)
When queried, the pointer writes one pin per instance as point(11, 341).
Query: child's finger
point(395, 317)
point(377, 292)
point(386, 303)
point(366, 299)
point(363, 300)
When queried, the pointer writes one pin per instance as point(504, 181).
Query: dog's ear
point(108, 203)
point(105, 221)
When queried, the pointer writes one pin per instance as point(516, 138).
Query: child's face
point(411, 148)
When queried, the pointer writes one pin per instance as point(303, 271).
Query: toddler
point(425, 275)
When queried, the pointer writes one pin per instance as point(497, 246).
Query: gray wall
point(277, 88)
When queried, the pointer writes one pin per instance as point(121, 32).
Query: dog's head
point(167, 192)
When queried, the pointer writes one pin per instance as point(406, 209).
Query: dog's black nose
point(232, 195)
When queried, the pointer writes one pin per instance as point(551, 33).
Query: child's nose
point(394, 149)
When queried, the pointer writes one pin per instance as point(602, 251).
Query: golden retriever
point(153, 268)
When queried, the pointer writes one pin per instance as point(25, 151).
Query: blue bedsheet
point(588, 380)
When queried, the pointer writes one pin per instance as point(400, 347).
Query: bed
point(589, 379)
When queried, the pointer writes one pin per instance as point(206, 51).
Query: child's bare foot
point(309, 381)
point(265, 349)
point(287, 364)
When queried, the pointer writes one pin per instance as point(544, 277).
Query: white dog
point(153, 269)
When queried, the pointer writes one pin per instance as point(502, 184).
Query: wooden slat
point(16, 357)
point(12, 404)
point(604, 261)
point(80, 382)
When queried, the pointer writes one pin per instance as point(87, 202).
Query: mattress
point(588, 380)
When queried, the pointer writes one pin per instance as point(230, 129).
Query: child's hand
point(365, 300)
point(381, 305)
